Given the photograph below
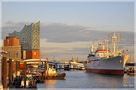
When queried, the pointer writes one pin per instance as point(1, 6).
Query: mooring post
point(4, 72)
point(10, 72)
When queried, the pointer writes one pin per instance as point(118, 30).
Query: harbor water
point(82, 79)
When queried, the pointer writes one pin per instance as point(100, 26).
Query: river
point(83, 80)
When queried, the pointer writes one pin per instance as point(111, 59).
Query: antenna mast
point(114, 43)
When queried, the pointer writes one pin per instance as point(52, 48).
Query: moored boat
point(52, 74)
point(104, 61)
point(58, 76)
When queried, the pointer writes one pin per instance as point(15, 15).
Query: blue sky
point(98, 14)
point(67, 28)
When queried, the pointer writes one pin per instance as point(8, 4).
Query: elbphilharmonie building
point(30, 41)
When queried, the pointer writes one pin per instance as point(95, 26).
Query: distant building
point(30, 41)
point(12, 46)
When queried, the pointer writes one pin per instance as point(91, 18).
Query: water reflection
point(50, 83)
point(106, 81)
point(128, 81)
point(81, 79)
point(125, 81)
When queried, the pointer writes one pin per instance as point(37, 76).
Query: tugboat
point(52, 74)
point(104, 61)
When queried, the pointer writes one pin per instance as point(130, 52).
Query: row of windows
point(101, 54)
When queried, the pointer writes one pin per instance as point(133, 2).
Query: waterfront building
point(30, 41)
point(12, 47)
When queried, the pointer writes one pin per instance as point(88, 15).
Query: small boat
point(52, 74)
point(49, 72)
point(58, 76)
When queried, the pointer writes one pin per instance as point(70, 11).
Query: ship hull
point(106, 71)
point(112, 65)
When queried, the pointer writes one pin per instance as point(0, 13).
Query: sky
point(100, 14)
point(67, 28)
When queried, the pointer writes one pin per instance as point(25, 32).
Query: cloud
point(58, 32)
point(64, 49)
point(62, 40)
point(77, 44)
point(59, 47)
point(9, 27)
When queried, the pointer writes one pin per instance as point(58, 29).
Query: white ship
point(105, 60)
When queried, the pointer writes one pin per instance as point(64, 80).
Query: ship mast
point(114, 43)
point(89, 48)
point(92, 48)
point(107, 46)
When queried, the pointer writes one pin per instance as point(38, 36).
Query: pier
point(130, 68)
point(29, 72)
